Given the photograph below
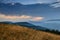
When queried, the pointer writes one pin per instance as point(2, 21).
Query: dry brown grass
point(14, 32)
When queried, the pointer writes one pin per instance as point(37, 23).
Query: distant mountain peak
point(25, 23)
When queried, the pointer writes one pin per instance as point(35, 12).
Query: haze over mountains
point(49, 24)
point(30, 19)
point(43, 10)
point(26, 24)
point(36, 25)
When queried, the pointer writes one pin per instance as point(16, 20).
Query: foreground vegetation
point(14, 32)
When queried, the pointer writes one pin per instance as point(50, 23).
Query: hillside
point(15, 32)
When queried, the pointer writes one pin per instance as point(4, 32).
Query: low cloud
point(54, 20)
point(19, 18)
point(56, 4)
point(47, 1)
point(33, 2)
point(37, 18)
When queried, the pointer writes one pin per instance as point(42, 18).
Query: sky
point(30, 1)
point(50, 12)
point(25, 2)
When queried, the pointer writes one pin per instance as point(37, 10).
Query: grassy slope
point(14, 32)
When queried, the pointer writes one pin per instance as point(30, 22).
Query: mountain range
point(48, 24)
point(35, 25)
point(33, 9)
point(26, 24)
point(15, 32)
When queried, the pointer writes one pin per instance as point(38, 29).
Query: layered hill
point(15, 32)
